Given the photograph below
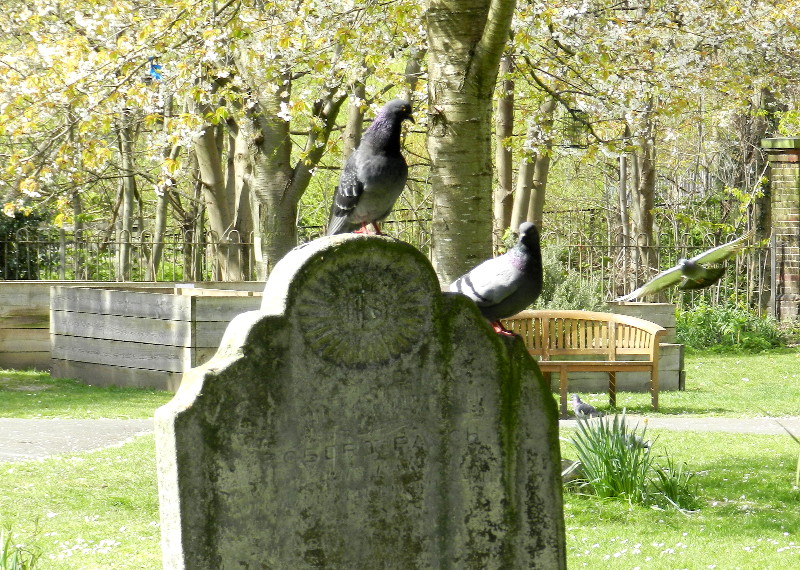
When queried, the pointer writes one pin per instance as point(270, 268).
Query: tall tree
point(465, 43)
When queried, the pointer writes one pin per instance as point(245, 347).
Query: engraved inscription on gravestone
point(362, 314)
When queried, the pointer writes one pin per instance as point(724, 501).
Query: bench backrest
point(550, 334)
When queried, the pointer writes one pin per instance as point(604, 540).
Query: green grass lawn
point(99, 510)
point(31, 394)
point(741, 385)
point(750, 514)
point(96, 510)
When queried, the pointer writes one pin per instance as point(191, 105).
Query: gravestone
point(361, 419)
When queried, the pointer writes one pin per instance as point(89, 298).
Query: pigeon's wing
point(488, 283)
point(346, 196)
point(656, 284)
point(724, 251)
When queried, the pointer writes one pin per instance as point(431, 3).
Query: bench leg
point(612, 389)
point(562, 388)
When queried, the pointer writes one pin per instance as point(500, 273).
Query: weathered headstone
point(361, 419)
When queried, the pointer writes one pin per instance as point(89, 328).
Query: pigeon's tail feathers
point(629, 297)
point(339, 225)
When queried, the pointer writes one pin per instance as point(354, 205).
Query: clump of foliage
point(727, 327)
point(563, 287)
point(20, 257)
point(617, 462)
point(14, 556)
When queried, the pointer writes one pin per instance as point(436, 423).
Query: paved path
point(21, 440)
point(34, 439)
point(769, 426)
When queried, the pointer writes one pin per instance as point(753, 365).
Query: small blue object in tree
point(154, 69)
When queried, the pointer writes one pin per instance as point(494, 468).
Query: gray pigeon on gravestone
point(584, 410)
point(373, 176)
point(507, 284)
point(692, 273)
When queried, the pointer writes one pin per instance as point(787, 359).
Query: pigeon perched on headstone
point(373, 176)
point(584, 410)
point(507, 284)
point(693, 273)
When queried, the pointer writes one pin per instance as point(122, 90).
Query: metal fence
point(58, 254)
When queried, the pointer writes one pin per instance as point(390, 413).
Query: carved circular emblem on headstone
point(355, 311)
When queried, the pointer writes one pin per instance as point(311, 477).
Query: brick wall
point(784, 161)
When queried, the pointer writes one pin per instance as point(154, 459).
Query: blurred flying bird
point(697, 272)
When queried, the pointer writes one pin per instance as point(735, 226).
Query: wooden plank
point(223, 308)
point(209, 334)
point(203, 292)
point(24, 340)
point(25, 318)
point(118, 353)
point(201, 355)
point(122, 328)
point(164, 306)
point(25, 360)
point(105, 375)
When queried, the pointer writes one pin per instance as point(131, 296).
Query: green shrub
point(726, 327)
point(613, 461)
point(14, 556)
point(617, 461)
point(674, 486)
point(565, 288)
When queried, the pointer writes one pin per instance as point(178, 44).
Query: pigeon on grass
point(507, 284)
point(583, 410)
point(698, 272)
point(373, 176)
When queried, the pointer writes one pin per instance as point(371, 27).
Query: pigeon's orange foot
point(500, 329)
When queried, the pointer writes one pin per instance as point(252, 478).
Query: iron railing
point(59, 254)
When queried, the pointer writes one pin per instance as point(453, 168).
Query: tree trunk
point(217, 198)
point(644, 189)
point(541, 172)
point(466, 40)
point(504, 130)
point(533, 171)
point(162, 201)
point(125, 133)
point(622, 196)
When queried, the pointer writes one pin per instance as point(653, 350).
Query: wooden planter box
point(145, 338)
point(25, 322)
point(25, 315)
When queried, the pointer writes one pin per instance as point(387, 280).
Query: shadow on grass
point(34, 394)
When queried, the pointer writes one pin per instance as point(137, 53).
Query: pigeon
point(635, 441)
point(693, 273)
point(373, 176)
point(507, 284)
point(584, 410)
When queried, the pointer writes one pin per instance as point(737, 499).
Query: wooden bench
point(553, 335)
